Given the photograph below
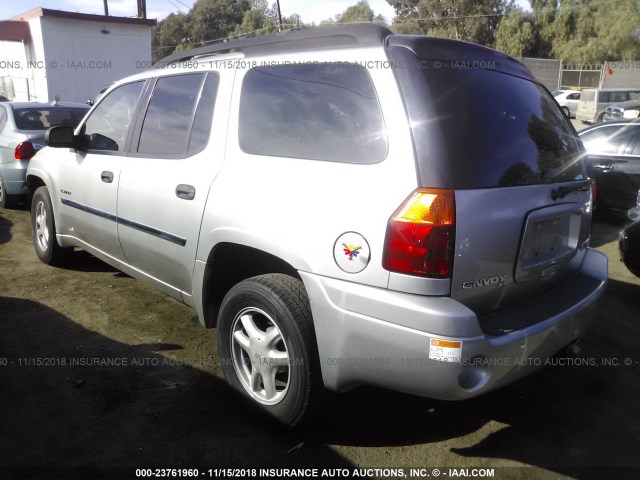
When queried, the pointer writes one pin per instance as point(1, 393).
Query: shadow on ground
point(121, 405)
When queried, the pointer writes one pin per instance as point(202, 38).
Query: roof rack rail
point(338, 36)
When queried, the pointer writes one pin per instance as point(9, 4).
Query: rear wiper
point(563, 191)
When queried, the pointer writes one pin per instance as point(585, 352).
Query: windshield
point(45, 118)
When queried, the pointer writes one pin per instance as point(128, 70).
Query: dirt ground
point(162, 401)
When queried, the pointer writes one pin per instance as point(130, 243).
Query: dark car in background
point(22, 129)
point(622, 111)
point(630, 247)
point(4, 99)
point(613, 160)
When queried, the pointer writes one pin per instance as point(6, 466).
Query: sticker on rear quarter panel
point(351, 252)
point(445, 350)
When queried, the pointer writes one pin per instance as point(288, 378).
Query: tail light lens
point(420, 234)
point(24, 151)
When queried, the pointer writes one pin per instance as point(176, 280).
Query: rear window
point(588, 96)
point(45, 118)
point(324, 112)
point(498, 130)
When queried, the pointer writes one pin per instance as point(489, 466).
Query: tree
point(468, 20)
point(361, 12)
point(207, 21)
point(517, 34)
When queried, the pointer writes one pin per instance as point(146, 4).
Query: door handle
point(107, 177)
point(604, 167)
point(185, 192)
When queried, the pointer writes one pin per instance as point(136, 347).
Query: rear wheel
point(268, 350)
point(6, 200)
point(43, 230)
point(567, 112)
point(600, 118)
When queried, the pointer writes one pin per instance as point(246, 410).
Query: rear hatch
point(587, 105)
point(483, 127)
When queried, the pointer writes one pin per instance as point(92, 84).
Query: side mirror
point(60, 137)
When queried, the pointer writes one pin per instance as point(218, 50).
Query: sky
point(309, 10)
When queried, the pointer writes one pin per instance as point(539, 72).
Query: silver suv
point(346, 205)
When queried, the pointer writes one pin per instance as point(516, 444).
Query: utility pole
point(142, 9)
point(279, 14)
point(106, 8)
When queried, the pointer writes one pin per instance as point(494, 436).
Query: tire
point(600, 118)
point(567, 112)
point(43, 230)
point(6, 201)
point(264, 325)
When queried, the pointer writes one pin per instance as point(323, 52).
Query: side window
point(606, 140)
point(108, 125)
point(324, 112)
point(635, 142)
point(573, 96)
point(618, 96)
point(178, 119)
point(603, 97)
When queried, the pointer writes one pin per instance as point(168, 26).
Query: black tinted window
point(167, 123)
point(45, 118)
point(320, 112)
point(108, 126)
point(495, 129)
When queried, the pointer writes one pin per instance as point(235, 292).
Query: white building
point(48, 55)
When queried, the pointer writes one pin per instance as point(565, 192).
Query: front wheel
point(267, 347)
point(43, 230)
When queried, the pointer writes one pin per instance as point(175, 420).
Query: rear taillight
point(24, 151)
point(420, 234)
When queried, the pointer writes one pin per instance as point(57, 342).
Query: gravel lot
point(165, 404)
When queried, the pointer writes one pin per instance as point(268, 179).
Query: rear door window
point(179, 115)
point(324, 112)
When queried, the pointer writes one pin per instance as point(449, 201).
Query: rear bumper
point(372, 336)
point(14, 177)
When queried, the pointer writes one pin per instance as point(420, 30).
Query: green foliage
point(576, 31)
point(468, 20)
point(361, 12)
point(208, 20)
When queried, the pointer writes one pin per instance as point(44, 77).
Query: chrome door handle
point(107, 177)
point(185, 192)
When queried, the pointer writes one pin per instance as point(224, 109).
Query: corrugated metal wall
point(621, 74)
point(546, 72)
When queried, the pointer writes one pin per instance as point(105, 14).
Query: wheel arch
point(230, 263)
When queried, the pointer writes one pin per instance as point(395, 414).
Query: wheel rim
point(42, 230)
point(260, 356)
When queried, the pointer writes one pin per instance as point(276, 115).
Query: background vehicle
point(613, 159)
point(630, 247)
point(594, 101)
point(622, 111)
point(438, 245)
point(22, 130)
point(568, 101)
point(4, 99)
point(634, 213)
